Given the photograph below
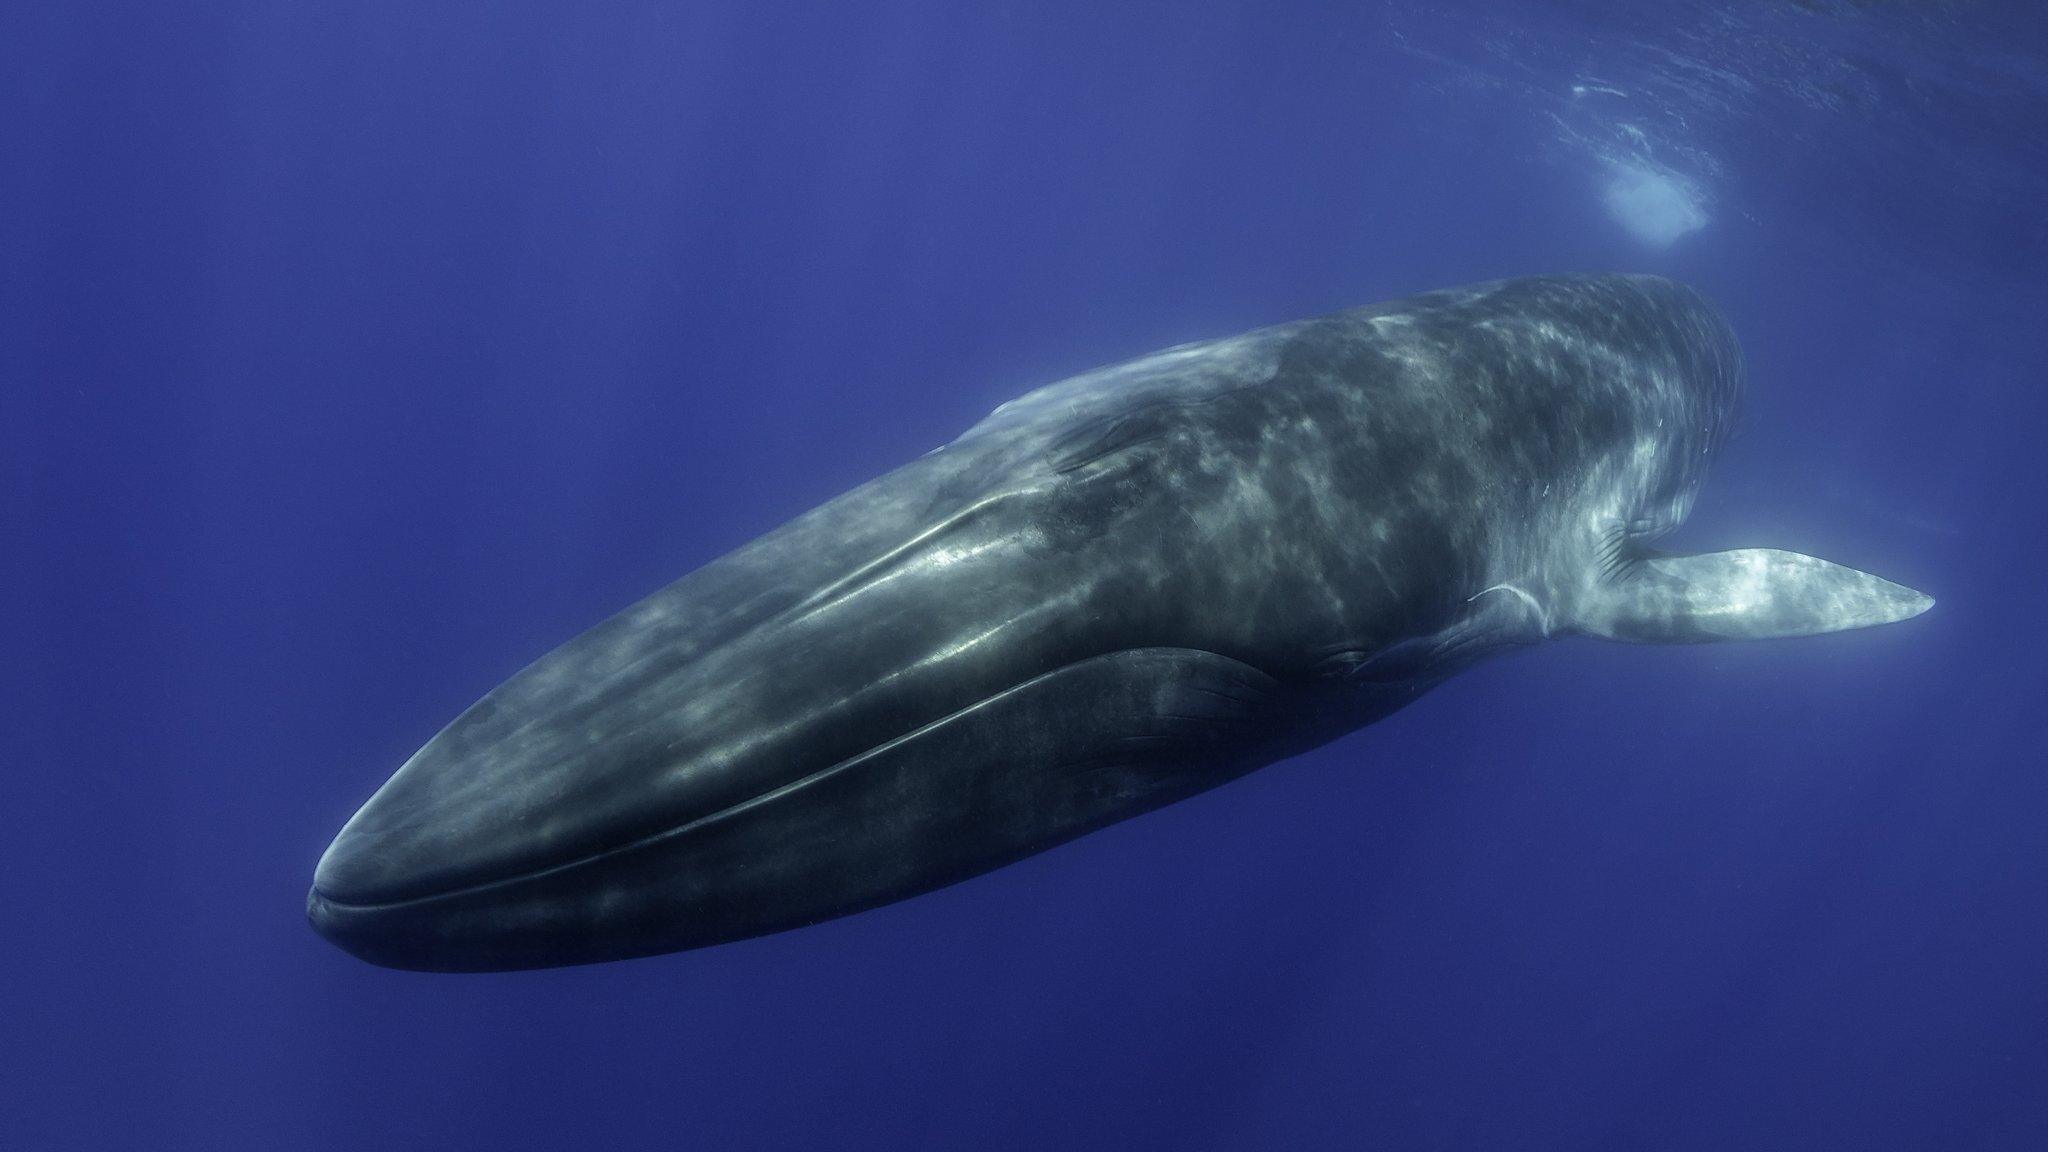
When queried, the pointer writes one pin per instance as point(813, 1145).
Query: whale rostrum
point(1112, 593)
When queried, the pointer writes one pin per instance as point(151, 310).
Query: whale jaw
point(1061, 754)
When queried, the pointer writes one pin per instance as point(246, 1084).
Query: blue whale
point(1114, 592)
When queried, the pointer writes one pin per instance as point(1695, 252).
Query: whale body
point(1114, 592)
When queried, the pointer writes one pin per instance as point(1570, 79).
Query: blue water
point(353, 355)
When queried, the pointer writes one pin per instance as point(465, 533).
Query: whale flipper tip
point(1744, 594)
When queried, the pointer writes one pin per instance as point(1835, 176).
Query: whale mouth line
point(648, 840)
point(318, 897)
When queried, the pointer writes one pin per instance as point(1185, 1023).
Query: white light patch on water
point(1656, 207)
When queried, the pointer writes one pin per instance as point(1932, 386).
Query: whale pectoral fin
point(1746, 594)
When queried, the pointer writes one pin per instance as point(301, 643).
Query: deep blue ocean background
point(352, 356)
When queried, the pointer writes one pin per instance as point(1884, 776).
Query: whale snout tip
point(331, 921)
point(386, 936)
point(320, 913)
point(352, 929)
point(343, 906)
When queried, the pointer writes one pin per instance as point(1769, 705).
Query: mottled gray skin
point(1114, 592)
